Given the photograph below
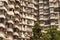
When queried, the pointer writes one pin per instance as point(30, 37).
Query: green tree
point(52, 34)
point(36, 32)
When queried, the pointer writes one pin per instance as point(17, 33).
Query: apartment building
point(16, 19)
point(49, 13)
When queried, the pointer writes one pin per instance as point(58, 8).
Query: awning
point(10, 21)
point(2, 25)
point(10, 13)
point(2, 16)
point(10, 30)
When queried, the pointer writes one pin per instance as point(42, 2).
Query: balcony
point(3, 8)
point(42, 24)
point(2, 16)
point(12, 0)
point(29, 5)
point(34, 7)
point(40, 7)
point(24, 4)
point(51, 11)
point(24, 9)
point(52, 0)
point(23, 29)
point(29, 29)
point(16, 19)
point(2, 35)
point(41, 1)
point(46, 18)
point(1, 4)
point(5, 1)
point(51, 4)
point(17, 6)
point(33, 1)
point(15, 34)
point(10, 13)
point(9, 38)
point(16, 12)
point(41, 13)
point(46, 13)
point(16, 26)
point(25, 0)
point(54, 17)
point(10, 21)
point(11, 6)
point(46, 7)
point(2, 25)
point(52, 23)
point(56, 5)
point(46, 25)
point(9, 30)
point(57, 24)
point(23, 36)
point(18, 0)
point(41, 19)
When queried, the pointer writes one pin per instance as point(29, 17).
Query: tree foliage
point(36, 32)
point(52, 33)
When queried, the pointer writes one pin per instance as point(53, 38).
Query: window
point(2, 12)
point(10, 17)
point(52, 14)
point(41, 16)
point(52, 9)
point(41, 10)
point(1, 20)
point(4, 3)
point(10, 25)
point(1, 38)
point(16, 30)
point(57, 9)
point(11, 9)
point(23, 27)
point(29, 21)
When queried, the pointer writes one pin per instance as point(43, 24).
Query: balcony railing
point(9, 29)
point(10, 13)
point(11, 6)
point(2, 25)
point(15, 34)
point(41, 1)
point(5, 1)
point(10, 21)
point(2, 16)
point(54, 17)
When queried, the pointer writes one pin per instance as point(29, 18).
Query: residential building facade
point(17, 17)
